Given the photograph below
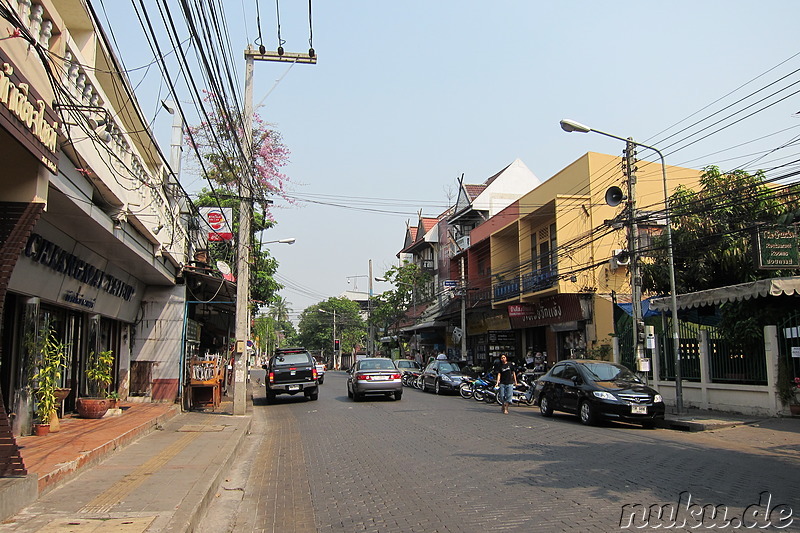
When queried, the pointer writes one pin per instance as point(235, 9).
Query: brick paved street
point(443, 464)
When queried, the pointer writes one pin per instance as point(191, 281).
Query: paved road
point(443, 464)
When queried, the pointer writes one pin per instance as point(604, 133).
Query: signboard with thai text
point(776, 248)
point(556, 309)
point(26, 116)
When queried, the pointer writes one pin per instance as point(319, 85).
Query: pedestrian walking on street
point(506, 381)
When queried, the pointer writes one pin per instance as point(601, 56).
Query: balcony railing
point(539, 280)
point(504, 290)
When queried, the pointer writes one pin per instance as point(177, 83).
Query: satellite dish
point(223, 267)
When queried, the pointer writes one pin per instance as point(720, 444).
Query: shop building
point(94, 221)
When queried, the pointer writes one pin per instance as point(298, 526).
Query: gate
point(789, 341)
point(689, 346)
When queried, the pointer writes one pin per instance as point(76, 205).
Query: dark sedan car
point(442, 376)
point(598, 389)
point(374, 375)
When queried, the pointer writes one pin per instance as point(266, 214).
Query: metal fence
point(741, 364)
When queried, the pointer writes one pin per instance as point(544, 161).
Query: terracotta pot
point(794, 408)
point(40, 430)
point(91, 407)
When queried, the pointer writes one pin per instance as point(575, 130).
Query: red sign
point(218, 222)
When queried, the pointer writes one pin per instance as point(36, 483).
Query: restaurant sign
point(550, 310)
point(776, 248)
point(25, 114)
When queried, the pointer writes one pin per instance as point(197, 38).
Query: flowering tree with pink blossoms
point(221, 156)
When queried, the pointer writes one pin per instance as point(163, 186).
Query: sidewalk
point(705, 420)
point(151, 469)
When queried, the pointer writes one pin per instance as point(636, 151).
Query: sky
point(408, 96)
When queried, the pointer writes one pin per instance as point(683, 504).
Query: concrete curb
point(16, 493)
point(690, 425)
point(67, 471)
point(194, 505)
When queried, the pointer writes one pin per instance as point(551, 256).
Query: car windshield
point(376, 364)
point(609, 372)
point(449, 367)
point(291, 359)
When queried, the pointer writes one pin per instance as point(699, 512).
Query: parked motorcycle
point(466, 388)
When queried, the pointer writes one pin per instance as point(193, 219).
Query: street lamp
point(243, 314)
point(572, 126)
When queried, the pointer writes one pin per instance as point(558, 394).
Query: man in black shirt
point(506, 381)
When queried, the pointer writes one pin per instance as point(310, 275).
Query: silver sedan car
point(374, 375)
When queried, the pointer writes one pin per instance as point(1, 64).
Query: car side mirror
point(576, 380)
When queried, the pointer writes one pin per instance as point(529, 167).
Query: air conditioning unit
point(619, 257)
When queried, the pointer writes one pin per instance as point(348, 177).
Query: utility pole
point(245, 217)
point(629, 167)
point(463, 311)
point(370, 331)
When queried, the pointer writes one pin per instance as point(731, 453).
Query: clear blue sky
point(407, 96)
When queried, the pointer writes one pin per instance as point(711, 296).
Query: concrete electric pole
point(245, 217)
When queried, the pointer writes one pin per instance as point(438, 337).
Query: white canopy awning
point(732, 293)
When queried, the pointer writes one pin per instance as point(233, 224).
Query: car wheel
point(270, 397)
point(313, 396)
point(586, 412)
point(349, 392)
point(398, 395)
point(649, 424)
point(321, 380)
point(544, 406)
point(437, 387)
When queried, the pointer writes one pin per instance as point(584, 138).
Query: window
point(558, 371)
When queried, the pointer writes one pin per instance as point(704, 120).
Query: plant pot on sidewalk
point(40, 430)
point(794, 408)
point(91, 407)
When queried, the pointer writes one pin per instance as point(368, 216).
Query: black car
point(291, 371)
point(598, 389)
point(442, 376)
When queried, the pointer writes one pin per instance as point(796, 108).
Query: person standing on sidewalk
point(506, 381)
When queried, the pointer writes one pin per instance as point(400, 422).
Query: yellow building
point(552, 275)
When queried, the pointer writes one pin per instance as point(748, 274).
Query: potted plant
point(113, 400)
point(98, 374)
point(47, 379)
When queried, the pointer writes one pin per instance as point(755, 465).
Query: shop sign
point(49, 254)
point(217, 222)
point(27, 116)
point(550, 310)
point(777, 248)
point(497, 322)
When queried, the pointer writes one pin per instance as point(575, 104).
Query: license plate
point(639, 409)
point(293, 387)
point(379, 378)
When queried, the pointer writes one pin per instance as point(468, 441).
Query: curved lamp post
point(571, 126)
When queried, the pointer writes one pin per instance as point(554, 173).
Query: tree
point(713, 231)
point(223, 161)
point(317, 325)
point(390, 307)
point(272, 328)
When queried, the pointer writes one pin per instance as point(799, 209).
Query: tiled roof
point(474, 190)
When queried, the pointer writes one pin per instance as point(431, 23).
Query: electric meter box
point(643, 364)
point(650, 337)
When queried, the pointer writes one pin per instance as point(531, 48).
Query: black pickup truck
point(291, 371)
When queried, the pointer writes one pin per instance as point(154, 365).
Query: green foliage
point(99, 367)
point(409, 288)
point(48, 377)
point(272, 328)
point(713, 232)
point(317, 325)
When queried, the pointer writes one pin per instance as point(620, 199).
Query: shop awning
point(732, 293)
point(425, 325)
point(202, 287)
